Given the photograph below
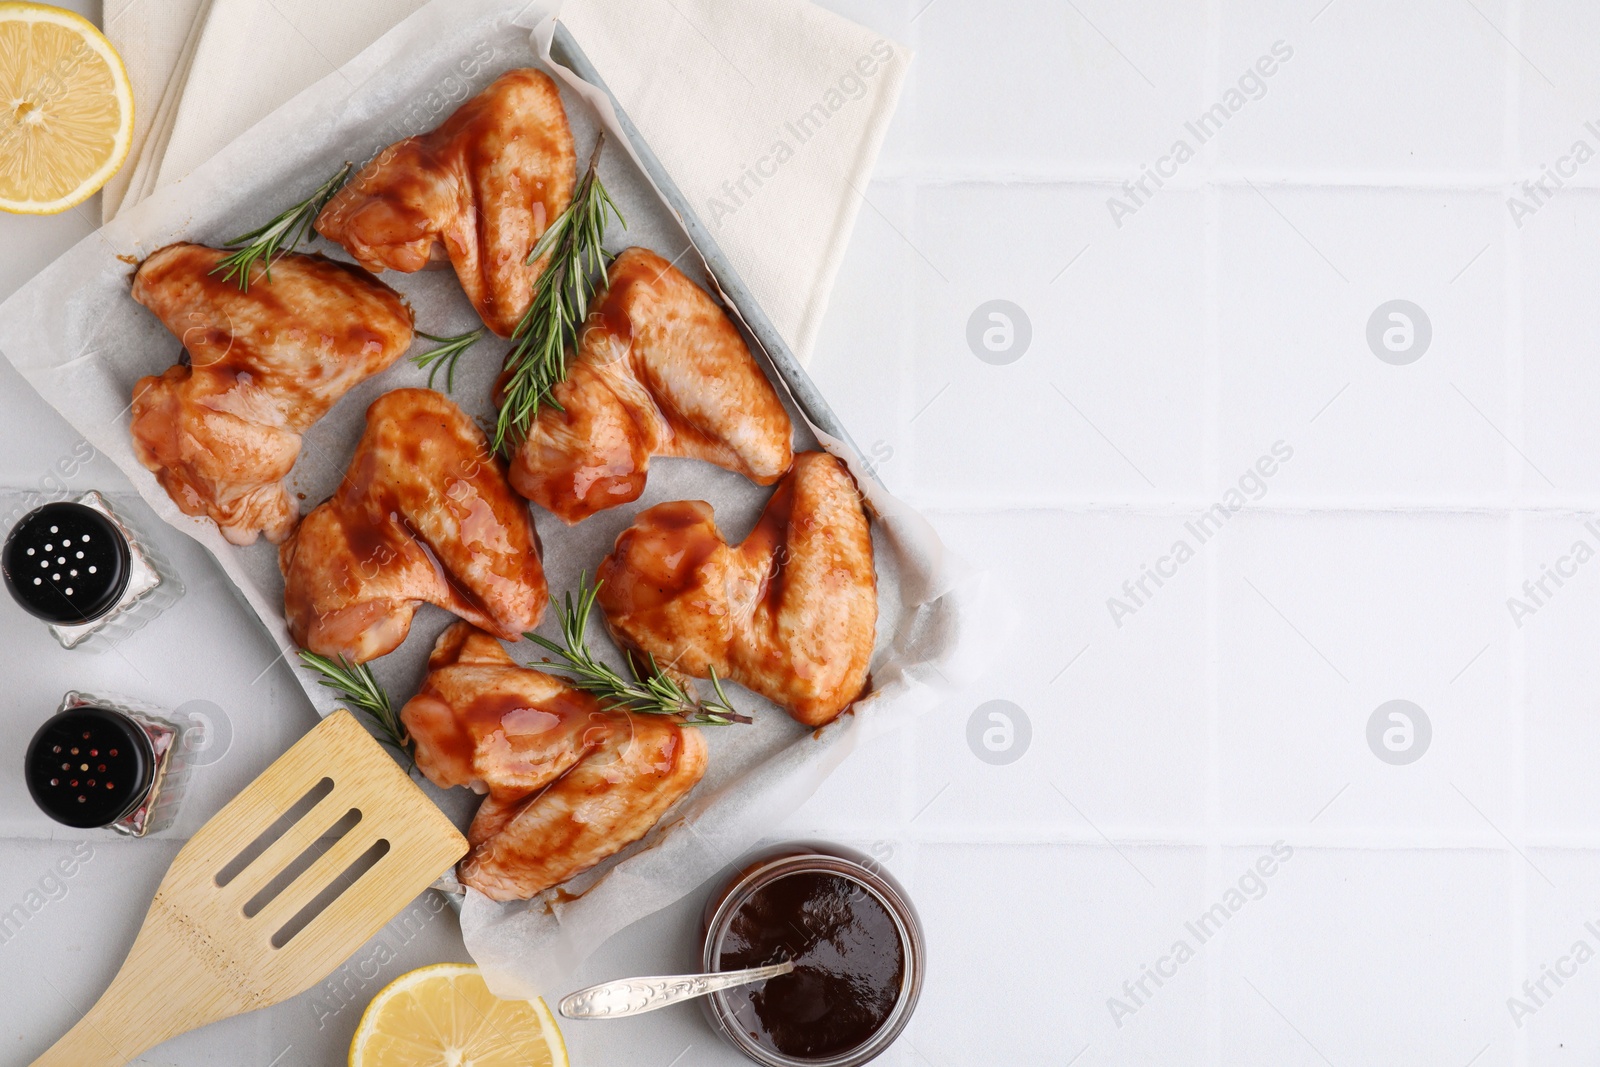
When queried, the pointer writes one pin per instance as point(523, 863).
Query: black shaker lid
point(66, 563)
point(89, 766)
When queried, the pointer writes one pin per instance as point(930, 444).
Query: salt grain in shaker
point(76, 565)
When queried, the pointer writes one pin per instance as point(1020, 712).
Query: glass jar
point(75, 565)
point(730, 1011)
point(101, 762)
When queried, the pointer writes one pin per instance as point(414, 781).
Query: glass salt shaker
point(78, 567)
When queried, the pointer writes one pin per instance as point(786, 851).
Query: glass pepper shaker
point(78, 567)
point(100, 762)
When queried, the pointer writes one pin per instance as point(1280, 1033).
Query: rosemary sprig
point(446, 355)
point(357, 685)
point(281, 235)
point(651, 692)
point(538, 359)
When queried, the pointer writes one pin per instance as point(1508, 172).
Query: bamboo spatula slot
point(269, 896)
point(279, 827)
point(296, 867)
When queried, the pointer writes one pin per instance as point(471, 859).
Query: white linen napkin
point(769, 114)
point(157, 44)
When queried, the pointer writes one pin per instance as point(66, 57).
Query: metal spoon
point(634, 996)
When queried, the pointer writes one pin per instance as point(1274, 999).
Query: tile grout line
point(906, 341)
point(1186, 510)
point(1213, 578)
point(1239, 179)
point(1517, 927)
point(905, 360)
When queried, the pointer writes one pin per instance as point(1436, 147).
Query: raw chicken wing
point(480, 190)
point(660, 371)
point(222, 428)
point(569, 782)
point(790, 613)
point(424, 515)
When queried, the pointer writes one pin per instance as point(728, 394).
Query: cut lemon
point(445, 1016)
point(66, 109)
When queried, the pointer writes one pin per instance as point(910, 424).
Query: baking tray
point(76, 334)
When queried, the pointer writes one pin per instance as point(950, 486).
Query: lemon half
point(445, 1016)
point(66, 109)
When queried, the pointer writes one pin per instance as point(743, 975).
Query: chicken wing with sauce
point(569, 782)
point(660, 371)
point(222, 429)
point(790, 613)
point(480, 190)
point(424, 515)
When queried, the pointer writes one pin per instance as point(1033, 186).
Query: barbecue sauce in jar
point(856, 944)
point(848, 964)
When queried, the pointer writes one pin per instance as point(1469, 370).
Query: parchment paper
point(80, 339)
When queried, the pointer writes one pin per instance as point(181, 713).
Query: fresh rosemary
point(651, 692)
point(446, 355)
point(357, 685)
point(279, 236)
point(538, 359)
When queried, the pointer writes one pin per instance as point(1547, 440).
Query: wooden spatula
point(250, 914)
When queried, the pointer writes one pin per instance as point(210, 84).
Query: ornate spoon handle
point(634, 996)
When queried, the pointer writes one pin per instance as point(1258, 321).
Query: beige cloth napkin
point(769, 114)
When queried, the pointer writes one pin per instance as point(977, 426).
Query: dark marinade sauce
point(848, 964)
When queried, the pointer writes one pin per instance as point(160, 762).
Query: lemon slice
point(445, 1016)
point(66, 109)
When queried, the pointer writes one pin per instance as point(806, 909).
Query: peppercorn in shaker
point(102, 762)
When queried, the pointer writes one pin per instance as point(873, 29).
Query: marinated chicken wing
point(222, 429)
point(424, 515)
point(660, 371)
point(569, 782)
point(479, 190)
point(790, 613)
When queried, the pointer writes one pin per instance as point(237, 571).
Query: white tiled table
point(1229, 709)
